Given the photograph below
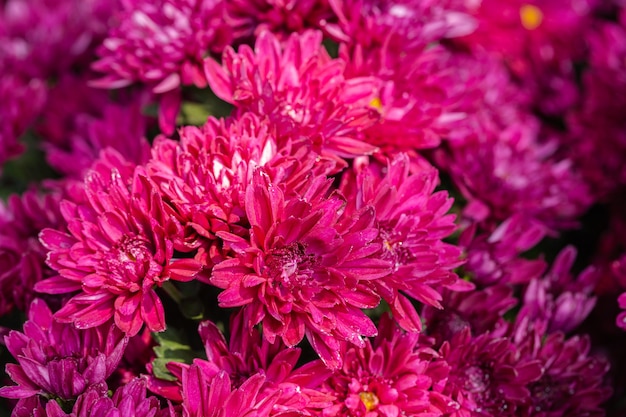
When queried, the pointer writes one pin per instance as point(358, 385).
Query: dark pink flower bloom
point(215, 397)
point(79, 121)
point(57, 361)
point(558, 299)
point(116, 252)
point(598, 127)
point(128, 400)
point(299, 90)
point(479, 311)
point(495, 257)
point(395, 41)
point(392, 376)
point(573, 381)
point(248, 354)
point(203, 176)
point(20, 102)
point(22, 257)
point(41, 39)
point(249, 18)
point(489, 377)
point(163, 45)
point(304, 268)
point(412, 221)
point(527, 32)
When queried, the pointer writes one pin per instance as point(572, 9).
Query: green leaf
point(172, 347)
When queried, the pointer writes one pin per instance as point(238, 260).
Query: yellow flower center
point(531, 16)
point(376, 103)
point(369, 399)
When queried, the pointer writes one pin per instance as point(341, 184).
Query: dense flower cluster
point(318, 208)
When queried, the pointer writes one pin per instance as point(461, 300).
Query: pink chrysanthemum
point(215, 397)
point(58, 362)
point(299, 90)
point(248, 354)
point(22, 257)
point(393, 376)
point(249, 18)
point(495, 256)
point(42, 39)
point(395, 41)
point(488, 375)
point(116, 252)
point(204, 175)
point(558, 299)
point(479, 311)
point(129, 400)
point(80, 121)
point(20, 103)
point(162, 44)
point(304, 268)
point(573, 382)
point(412, 221)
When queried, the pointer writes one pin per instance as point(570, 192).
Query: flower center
point(531, 16)
point(290, 265)
point(130, 261)
point(477, 380)
point(369, 399)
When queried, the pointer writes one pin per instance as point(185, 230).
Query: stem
point(172, 291)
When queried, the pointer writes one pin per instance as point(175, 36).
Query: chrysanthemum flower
point(42, 39)
point(488, 375)
point(396, 41)
point(597, 127)
point(392, 376)
point(303, 270)
point(204, 175)
point(412, 221)
point(116, 252)
point(79, 121)
point(56, 361)
point(299, 90)
point(479, 311)
point(248, 354)
point(495, 256)
point(162, 44)
point(128, 400)
point(20, 103)
point(573, 381)
point(22, 257)
point(215, 397)
point(558, 299)
point(249, 18)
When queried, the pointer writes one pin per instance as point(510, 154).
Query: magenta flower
point(299, 90)
point(412, 221)
point(162, 44)
point(479, 311)
point(495, 257)
point(80, 121)
point(41, 39)
point(248, 354)
point(249, 18)
point(22, 257)
point(573, 382)
point(215, 397)
point(203, 177)
point(558, 299)
point(57, 361)
point(396, 41)
point(392, 376)
point(488, 375)
point(20, 102)
point(304, 268)
point(128, 400)
point(116, 252)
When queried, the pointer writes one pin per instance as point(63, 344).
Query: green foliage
point(172, 347)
